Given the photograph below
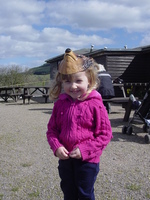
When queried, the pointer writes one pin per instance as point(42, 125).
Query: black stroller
point(141, 115)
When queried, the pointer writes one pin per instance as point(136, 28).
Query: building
point(131, 65)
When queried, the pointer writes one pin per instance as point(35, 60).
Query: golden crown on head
point(73, 63)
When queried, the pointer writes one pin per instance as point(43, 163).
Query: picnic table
point(23, 92)
point(28, 92)
point(9, 92)
point(124, 99)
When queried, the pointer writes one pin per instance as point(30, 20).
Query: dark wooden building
point(131, 65)
point(138, 70)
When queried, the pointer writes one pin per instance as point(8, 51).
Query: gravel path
point(28, 169)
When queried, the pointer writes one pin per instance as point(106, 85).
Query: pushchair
point(141, 115)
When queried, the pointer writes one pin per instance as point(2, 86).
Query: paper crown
point(73, 63)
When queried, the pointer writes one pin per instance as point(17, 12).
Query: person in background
point(79, 128)
point(106, 88)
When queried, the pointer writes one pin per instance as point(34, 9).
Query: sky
point(32, 31)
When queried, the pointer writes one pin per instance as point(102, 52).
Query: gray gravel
point(28, 169)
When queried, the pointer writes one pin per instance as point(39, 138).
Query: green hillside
point(41, 70)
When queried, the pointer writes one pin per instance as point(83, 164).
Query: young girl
point(79, 128)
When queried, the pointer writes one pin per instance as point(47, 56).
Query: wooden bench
point(26, 96)
point(5, 96)
point(123, 99)
point(125, 102)
point(24, 92)
point(46, 96)
point(16, 96)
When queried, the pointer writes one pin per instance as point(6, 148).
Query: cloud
point(60, 37)
point(32, 31)
point(146, 40)
point(101, 15)
point(18, 12)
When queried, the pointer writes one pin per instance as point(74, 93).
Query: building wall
point(101, 60)
point(138, 70)
point(115, 64)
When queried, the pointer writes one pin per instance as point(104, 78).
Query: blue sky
point(32, 31)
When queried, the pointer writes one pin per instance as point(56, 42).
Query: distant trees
point(12, 75)
point(17, 76)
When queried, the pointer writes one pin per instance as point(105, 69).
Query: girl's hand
point(75, 153)
point(62, 153)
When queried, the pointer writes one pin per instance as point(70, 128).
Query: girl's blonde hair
point(91, 74)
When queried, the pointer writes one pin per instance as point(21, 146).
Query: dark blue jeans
point(77, 179)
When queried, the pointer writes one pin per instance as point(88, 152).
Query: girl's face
point(77, 86)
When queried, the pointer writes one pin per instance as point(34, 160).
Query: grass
point(133, 187)
point(1, 196)
point(15, 189)
point(34, 194)
point(130, 198)
point(148, 195)
point(26, 164)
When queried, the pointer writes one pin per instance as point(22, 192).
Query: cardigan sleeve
point(93, 148)
point(53, 132)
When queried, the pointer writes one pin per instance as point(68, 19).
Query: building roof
point(80, 51)
point(104, 51)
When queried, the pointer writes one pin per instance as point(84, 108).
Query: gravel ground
point(28, 169)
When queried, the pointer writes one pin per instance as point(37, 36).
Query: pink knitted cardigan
point(83, 124)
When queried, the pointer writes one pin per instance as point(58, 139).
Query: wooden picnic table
point(123, 99)
point(28, 93)
point(10, 92)
point(24, 92)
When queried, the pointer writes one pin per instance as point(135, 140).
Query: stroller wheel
point(145, 128)
point(124, 129)
point(147, 139)
point(129, 130)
